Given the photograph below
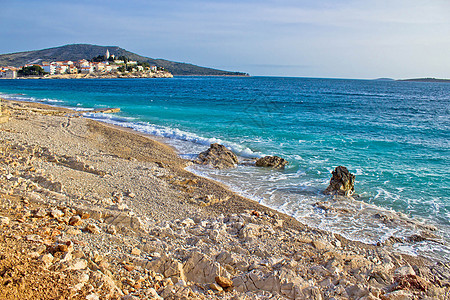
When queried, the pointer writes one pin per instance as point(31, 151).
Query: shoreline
point(82, 148)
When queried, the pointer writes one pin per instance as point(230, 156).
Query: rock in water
point(218, 156)
point(342, 183)
point(272, 162)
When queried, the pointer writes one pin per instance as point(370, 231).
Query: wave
point(171, 133)
point(23, 97)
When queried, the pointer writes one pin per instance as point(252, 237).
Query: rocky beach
point(91, 211)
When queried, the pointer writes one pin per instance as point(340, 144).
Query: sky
point(301, 38)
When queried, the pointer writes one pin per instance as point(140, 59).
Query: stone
point(224, 282)
point(37, 251)
point(34, 238)
point(357, 291)
point(47, 259)
point(218, 156)
point(75, 221)
point(104, 282)
point(39, 213)
point(77, 264)
point(404, 271)
point(275, 162)
point(92, 296)
point(73, 231)
point(4, 221)
point(136, 252)
point(56, 213)
point(111, 229)
point(215, 287)
point(342, 182)
point(200, 268)
point(92, 228)
point(398, 295)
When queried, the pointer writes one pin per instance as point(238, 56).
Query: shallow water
point(394, 136)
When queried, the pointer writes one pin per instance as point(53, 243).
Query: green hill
point(86, 51)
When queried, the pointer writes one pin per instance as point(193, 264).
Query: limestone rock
point(201, 269)
point(111, 229)
point(342, 182)
point(405, 270)
point(218, 156)
point(47, 259)
point(398, 295)
point(136, 252)
point(75, 221)
point(4, 221)
point(275, 162)
point(224, 282)
point(92, 228)
point(56, 213)
point(214, 286)
point(77, 264)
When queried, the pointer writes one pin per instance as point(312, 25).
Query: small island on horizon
point(427, 79)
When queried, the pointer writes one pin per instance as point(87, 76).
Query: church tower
point(107, 54)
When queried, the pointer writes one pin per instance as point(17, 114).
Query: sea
point(393, 135)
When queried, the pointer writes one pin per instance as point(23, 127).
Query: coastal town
point(102, 66)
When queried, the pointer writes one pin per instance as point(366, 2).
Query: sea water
point(394, 136)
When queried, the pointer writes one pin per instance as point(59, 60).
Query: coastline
point(87, 162)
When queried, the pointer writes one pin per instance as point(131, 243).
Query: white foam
point(171, 133)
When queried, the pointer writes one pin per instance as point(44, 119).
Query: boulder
point(272, 162)
point(342, 182)
point(218, 156)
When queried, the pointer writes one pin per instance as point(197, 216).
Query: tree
point(121, 69)
point(124, 58)
point(144, 64)
point(32, 70)
point(99, 58)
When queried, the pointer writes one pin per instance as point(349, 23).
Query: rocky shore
point(90, 211)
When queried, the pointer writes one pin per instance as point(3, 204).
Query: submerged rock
point(218, 156)
point(342, 182)
point(275, 162)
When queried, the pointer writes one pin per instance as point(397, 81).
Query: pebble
point(214, 286)
point(92, 228)
point(224, 282)
point(4, 221)
point(136, 252)
point(47, 259)
point(75, 221)
point(111, 229)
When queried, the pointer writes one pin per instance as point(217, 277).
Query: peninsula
point(79, 52)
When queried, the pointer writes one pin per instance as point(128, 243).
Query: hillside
point(86, 51)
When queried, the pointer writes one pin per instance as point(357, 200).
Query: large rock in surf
point(342, 182)
point(272, 162)
point(218, 156)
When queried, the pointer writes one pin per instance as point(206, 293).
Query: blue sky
point(322, 38)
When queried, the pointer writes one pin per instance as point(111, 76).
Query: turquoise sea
point(394, 136)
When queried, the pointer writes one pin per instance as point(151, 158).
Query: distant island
point(415, 79)
point(77, 52)
point(426, 80)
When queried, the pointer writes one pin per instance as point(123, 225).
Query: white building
point(8, 74)
point(87, 69)
point(50, 68)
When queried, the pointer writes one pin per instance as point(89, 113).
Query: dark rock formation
point(218, 156)
point(342, 183)
point(272, 162)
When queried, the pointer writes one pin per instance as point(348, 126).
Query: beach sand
point(89, 211)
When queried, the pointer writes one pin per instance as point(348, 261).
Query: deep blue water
point(393, 135)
